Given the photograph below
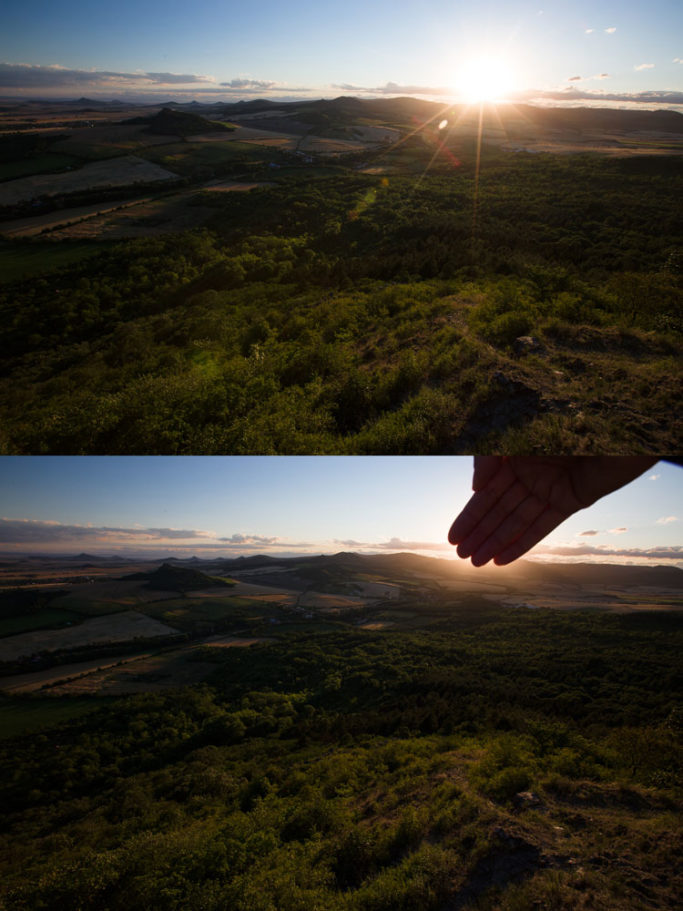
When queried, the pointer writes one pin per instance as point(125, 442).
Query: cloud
point(617, 531)
point(666, 520)
point(393, 88)
point(644, 66)
point(585, 534)
point(677, 60)
point(653, 477)
point(28, 76)
point(32, 534)
point(602, 76)
point(259, 540)
point(575, 79)
point(250, 84)
point(611, 30)
point(653, 554)
point(571, 94)
point(34, 531)
point(589, 31)
point(23, 78)
point(395, 544)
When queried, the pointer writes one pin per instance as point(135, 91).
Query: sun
point(484, 78)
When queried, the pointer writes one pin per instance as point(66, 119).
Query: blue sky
point(243, 505)
point(619, 52)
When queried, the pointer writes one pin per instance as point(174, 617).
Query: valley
point(339, 276)
point(351, 732)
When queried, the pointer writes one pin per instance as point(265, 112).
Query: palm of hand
point(519, 500)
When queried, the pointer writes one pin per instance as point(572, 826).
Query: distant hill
point(348, 109)
point(180, 123)
point(392, 566)
point(178, 579)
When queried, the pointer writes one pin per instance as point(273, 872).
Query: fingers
point(492, 520)
point(481, 502)
point(544, 524)
point(485, 468)
point(512, 525)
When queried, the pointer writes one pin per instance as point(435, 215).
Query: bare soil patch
point(331, 603)
point(29, 683)
point(148, 674)
point(231, 186)
point(28, 227)
point(235, 641)
point(143, 219)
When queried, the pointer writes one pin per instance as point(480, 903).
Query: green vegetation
point(22, 262)
point(507, 760)
point(178, 123)
point(179, 579)
point(200, 616)
point(23, 611)
point(26, 716)
point(364, 313)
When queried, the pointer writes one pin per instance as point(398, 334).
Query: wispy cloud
point(589, 31)
point(29, 76)
point(644, 66)
point(653, 477)
point(585, 534)
point(50, 79)
point(651, 554)
point(677, 60)
point(30, 534)
point(571, 94)
point(395, 544)
point(611, 30)
point(251, 84)
point(575, 79)
point(34, 531)
point(617, 531)
point(392, 88)
point(666, 520)
point(260, 540)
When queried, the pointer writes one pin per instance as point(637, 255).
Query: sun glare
point(484, 78)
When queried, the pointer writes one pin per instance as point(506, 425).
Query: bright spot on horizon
point(484, 78)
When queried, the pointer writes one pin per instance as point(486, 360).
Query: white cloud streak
point(395, 544)
point(652, 554)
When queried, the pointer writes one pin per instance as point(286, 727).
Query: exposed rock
point(526, 344)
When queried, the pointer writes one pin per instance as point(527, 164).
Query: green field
point(23, 261)
point(200, 159)
point(44, 164)
point(29, 715)
point(48, 618)
point(187, 614)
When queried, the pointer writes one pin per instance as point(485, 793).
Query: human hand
point(518, 500)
